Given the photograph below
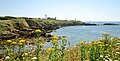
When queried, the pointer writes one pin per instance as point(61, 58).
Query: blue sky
point(84, 10)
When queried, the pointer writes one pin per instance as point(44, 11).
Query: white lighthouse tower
point(45, 16)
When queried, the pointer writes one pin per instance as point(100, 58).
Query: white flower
point(68, 50)
point(106, 60)
point(7, 57)
point(110, 59)
point(17, 59)
point(117, 49)
point(26, 53)
point(101, 55)
point(106, 56)
point(34, 58)
point(117, 52)
point(23, 57)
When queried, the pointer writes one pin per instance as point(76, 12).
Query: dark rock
point(8, 36)
point(48, 35)
point(110, 24)
point(88, 24)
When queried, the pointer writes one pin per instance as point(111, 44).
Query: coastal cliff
point(10, 29)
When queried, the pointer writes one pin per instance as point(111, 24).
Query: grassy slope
point(10, 24)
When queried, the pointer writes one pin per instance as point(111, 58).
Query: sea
point(76, 34)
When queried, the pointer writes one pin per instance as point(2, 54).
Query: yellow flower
point(50, 49)
point(99, 43)
point(13, 43)
point(81, 42)
point(41, 44)
point(55, 38)
point(38, 31)
point(54, 41)
point(102, 45)
point(21, 41)
point(9, 41)
point(106, 44)
point(64, 39)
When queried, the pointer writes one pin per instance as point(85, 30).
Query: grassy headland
point(22, 27)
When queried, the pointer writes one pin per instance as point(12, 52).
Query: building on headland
point(45, 16)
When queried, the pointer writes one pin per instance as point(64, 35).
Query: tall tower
point(75, 19)
point(45, 16)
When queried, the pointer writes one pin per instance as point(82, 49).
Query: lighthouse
point(45, 16)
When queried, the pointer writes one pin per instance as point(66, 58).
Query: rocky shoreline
point(24, 29)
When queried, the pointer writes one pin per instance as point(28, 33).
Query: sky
point(84, 10)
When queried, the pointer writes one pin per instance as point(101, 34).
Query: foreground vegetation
point(105, 49)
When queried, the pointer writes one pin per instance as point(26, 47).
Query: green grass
point(107, 48)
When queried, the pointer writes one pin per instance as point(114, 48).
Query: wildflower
point(38, 31)
point(106, 60)
point(117, 52)
point(50, 49)
point(102, 45)
point(105, 51)
point(17, 59)
point(54, 41)
point(110, 59)
point(23, 57)
point(9, 41)
point(22, 41)
point(106, 56)
point(34, 58)
point(81, 42)
point(101, 55)
point(55, 38)
point(26, 54)
point(64, 39)
point(99, 43)
point(41, 44)
point(106, 44)
point(117, 49)
point(13, 43)
point(68, 50)
point(19, 43)
point(7, 57)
